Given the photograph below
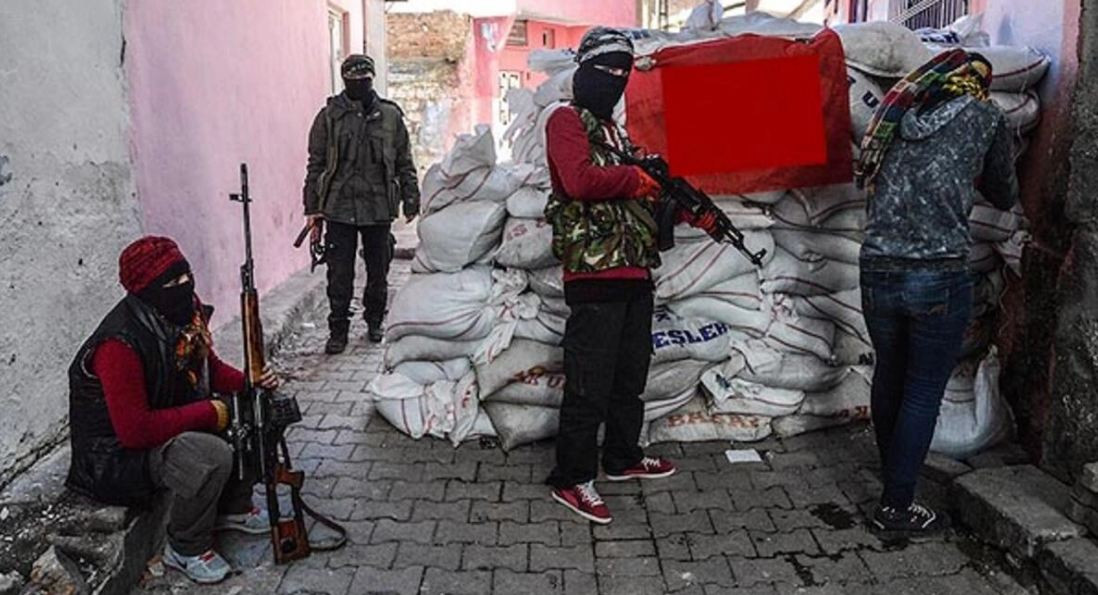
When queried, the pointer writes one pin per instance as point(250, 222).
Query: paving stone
point(402, 490)
point(793, 460)
point(463, 470)
point(661, 502)
point(625, 549)
point(513, 491)
point(508, 582)
point(736, 477)
point(576, 534)
point(686, 502)
point(389, 530)
point(803, 496)
point(966, 582)
point(579, 583)
point(438, 556)
point(549, 510)
point(639, 566)
point(841, 569)
point(522, 473)
point(518, 512)
point(622, 528)
point(545, 532)
point(1088, 479)
point(407, 472)
point(481, 533)
point(788, 520)
point(479, 557)
point(580, 557)
point(799, 541)
point(457, 489)
point(302, 579)
point(314, 450)
point(445, 582)
point(750, 572)
point(680, 575)
point(1015, 508)
point(667, 524)
point(703, 547)
point(943, 469)
point(682, 481)
point(402, 581)
point(1070, 566)
point(746, 498)
point(450, 511)
point(834, 541)
point(359, 531)
point(339, 421)
point(921, 559)
point(674, 547)
point(755, 520)
point(330, 468)
point(397, 511)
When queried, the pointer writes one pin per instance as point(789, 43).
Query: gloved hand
point(648, 187)
point(222, 414)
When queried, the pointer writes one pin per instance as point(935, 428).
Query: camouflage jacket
point(594, 236)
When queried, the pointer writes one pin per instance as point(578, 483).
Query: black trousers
point(377, 251)
point(607, 351)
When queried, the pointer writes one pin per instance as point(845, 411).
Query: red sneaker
point(584, 501)
point(647, 468)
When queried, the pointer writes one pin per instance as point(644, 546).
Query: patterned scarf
point(193, 348)
point(947, 76)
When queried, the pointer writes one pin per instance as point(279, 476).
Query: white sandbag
point(836, 208)
point(974, 415)
point(849, 399)
point(518, 363)
point(694, 423)
point(752, 322)
point(795, 425)
point(964, 32)
point(763, 23)
point(547, 327)
point(556, 89)
point(812, 245)
point(541, 390)
point(693, 267)
point(522, 424)
point(1011, 251)
point(676, 338)
point(843, 308)
point(989, 224)
point(495, 183)
point(528, 202)
point(1015, 69)
point(742, 291)
point(852, 350)
point(882, 48)
point(796, 371)
point(988, 293)
point(654, 410)
point(669, 379)
point(450, 306)
point(865, 97)
point(527, 244)
point(705, 16)
point(764, 198)
point(791, 333)
point(413, 348)
point(983, 258)
point(460, 235)
point(442, 409)
point(787, 274)
point(470, 152)
point(729, 394)
point(551, 62)
point(1023, 110)
point(429, 372)
point(547, 282)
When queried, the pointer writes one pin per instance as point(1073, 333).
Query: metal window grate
point(934, 14)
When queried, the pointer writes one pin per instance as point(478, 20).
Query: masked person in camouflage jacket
point(360, 173)
point(604, 233)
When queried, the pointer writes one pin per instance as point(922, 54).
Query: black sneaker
point(913, 521)
point(337, 343)
point(375, 333)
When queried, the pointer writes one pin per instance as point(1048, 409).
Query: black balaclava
point(175, 303)
point(600, 91)
point(361, 89)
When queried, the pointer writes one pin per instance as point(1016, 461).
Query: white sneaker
point(206, 569)
point(253, 522)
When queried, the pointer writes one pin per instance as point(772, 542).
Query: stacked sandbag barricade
point(739, 353)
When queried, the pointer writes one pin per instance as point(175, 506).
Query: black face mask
point(600, 91)
point(360, 90)
point(175, 303)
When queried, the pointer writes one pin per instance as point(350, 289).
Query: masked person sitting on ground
point(359, 174)
point(604, 233)
point(142, 414)
point(935, 133)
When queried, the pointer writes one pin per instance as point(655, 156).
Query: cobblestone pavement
point(427, 518)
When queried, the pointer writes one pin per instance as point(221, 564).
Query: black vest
point(101, 467)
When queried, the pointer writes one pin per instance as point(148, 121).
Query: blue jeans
point(916, 320)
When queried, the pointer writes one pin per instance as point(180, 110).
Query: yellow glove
point(222, 414)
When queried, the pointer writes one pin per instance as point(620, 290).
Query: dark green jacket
point(360, 164)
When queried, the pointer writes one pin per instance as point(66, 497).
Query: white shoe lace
point(588, 493)
point(922, 511)
point(650, 462)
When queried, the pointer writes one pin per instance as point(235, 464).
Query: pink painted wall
point(213, 84)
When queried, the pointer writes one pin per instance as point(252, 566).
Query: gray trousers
point(197, 469)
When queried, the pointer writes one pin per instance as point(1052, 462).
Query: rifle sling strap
point(333, 543)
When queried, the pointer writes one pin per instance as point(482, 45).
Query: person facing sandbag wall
point(359, 173)
point(604, 234)
point(935, 133)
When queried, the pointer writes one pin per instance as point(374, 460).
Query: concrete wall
point(197, 115)
point(66, 204)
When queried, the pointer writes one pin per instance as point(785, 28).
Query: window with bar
point(934, 14)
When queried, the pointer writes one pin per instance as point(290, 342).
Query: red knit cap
point(145, 260)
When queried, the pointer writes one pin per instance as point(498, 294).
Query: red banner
point(748, 113)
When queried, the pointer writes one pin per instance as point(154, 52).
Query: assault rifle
point(684, 195)
point(260, 419)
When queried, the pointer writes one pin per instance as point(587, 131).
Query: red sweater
point(119, 369)
point(575, 176)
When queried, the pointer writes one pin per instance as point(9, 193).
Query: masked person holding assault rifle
point(933, 142)
point(359, 174)
point(143, 414)
point(605, 234)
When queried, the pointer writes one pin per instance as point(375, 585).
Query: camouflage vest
point(593, 236)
